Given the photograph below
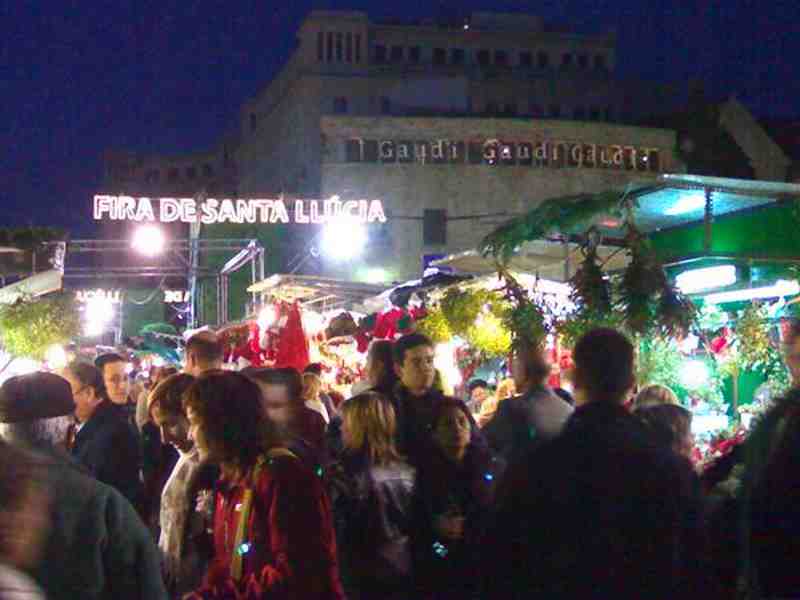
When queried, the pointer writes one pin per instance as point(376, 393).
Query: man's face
point(277, 404)
point(86, 401)
point(417, 371)
point(116, 380)
point(792, 356)
point(174, 429)
point(479, 394)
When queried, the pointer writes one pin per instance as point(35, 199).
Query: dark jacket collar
point(105, 412)
point(597, 414)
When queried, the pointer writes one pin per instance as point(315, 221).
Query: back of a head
point(604, 365)
point(314, 369)
point(228, 405)
point(287, 377)
point(206, 350)
point(36, 410)
point(381, 352)
point(407, 343)
point(168, 394)
point(91, 375)
point(654, 395)
point(370, 422)
point(670, 424)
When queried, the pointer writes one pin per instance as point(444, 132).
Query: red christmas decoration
point(291, 347)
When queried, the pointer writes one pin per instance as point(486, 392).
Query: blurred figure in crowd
point(325, 398)
point(312, 390)
point(302, 428)
point(203, 352)
point(478, 391)
point(505, 389)
point(184, 561)
point(24, 513)
point(534, 417)
point(97, 547)
point(371, 489)
point(105, 442)
point(671, 425)
point(273, 530)
point(114, 369)
point(654, 395)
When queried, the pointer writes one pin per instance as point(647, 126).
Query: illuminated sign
point(189, 210)
point(496, 152)
point(112, 296)
point(176, 296)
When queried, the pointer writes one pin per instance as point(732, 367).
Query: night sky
point(80, 77)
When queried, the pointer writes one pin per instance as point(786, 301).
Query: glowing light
point(343, 239)
point(313, 322)
point(444, 360)
point(267, 317)
point(687, 204)
point(376, 275)
point(697, 280)
point(148, 240)
point(781, 288)
point(99, 313)
point(159, 361)
point(693, 374)
point(56, 357)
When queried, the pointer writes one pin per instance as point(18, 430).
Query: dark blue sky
point(80, 77)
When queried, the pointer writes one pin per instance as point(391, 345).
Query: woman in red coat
point(273, 531)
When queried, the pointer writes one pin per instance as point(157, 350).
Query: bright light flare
point(693, 374)
point(697, 280)
point(267, 317)
point(148, 240)
point(343, 239)
point(99, 314)
point(56, 357)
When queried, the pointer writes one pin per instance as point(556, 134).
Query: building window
point(526, 59)
point(173, 174)
point(339, 47)
point(457, 56)
point(340, 105)
point(594, 113)
point(386, 106)
point(501, 58)
point(600, 62)
point(543, 60)
point(483, 57)
point(380, 54)
point(434, 227)
point(579, 113)
point(358, 47)
point(253, 121)
point(191, 172)
point(208, 170)
point(439, 56)
point(566, 60)
point(330, 47)
point(397, 54)
point(555, 111)
point(413, 54)
point(320, 47)
point(583, 61)
point(510, 109)
point(348, 49)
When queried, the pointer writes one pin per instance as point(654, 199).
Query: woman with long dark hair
point(371, 489)
point(455, 489)
point(273, 531)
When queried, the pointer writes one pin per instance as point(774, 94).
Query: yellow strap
point(239, 549)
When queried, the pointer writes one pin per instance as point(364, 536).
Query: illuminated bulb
point(696, 280)
point(343, 239)
point(148, 240)
point(693, 374)
point(56, 357)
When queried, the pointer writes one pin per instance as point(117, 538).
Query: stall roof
point(553, 260)
point(678, 200)
point(316, 292)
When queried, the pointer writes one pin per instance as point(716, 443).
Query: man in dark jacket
point(601, 511)
point(538, 415)
point(106, 443)
point(415, 398)
point(97, 547)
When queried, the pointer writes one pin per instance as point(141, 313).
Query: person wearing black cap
point(97, 547)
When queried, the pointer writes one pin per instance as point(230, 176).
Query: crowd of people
point(211, 484)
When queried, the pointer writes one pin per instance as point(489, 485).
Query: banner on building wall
point(260, 210)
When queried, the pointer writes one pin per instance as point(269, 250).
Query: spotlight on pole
point(148, 240)
point(343, 239)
